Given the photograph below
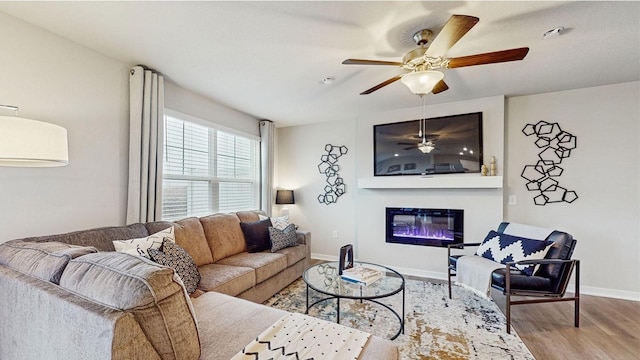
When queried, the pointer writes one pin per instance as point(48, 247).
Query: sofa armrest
point(66, 325)
point(304, 237)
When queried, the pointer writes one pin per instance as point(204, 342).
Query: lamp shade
point(31, 143)
point(422, 82)
point(284, 197)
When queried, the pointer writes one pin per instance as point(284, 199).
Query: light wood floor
point(609, 328)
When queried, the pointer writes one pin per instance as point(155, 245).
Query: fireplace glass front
point(426, 227)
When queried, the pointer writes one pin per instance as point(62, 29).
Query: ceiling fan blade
point(381, 85)
point(370, 62)
point(453, 30)
point(439, 87)
point(488, 58)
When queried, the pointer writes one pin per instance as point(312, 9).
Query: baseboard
point(610, 293)
point(584, 290)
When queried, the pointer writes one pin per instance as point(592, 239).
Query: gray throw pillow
point(281, 239)
point(174, 256)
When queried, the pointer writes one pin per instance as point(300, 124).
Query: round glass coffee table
point(324, 278)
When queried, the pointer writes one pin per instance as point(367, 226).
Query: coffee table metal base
point(400, 318)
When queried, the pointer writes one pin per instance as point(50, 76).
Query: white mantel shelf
point(471, 181)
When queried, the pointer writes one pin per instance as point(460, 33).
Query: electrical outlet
point(513, 200)
point(334, 234)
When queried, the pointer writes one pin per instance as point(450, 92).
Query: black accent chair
point(548, 283)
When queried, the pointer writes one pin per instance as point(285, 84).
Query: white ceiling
point(268, 58)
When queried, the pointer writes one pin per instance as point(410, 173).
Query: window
point(207, 169)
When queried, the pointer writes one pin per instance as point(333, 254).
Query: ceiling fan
point(422, 63)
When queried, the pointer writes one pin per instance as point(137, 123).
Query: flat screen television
point(442, 145)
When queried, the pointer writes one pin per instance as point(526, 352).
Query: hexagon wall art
point(555, 145)
point(335, 186)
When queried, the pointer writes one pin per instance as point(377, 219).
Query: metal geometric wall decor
point(328, 166)
point(555, 145)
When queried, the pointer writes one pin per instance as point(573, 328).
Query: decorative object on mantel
point(328, 166)
point(492, 166)
point(31, 143)
point(483, 170)
point(555, 145)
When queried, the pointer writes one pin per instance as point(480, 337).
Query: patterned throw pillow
point(279, 222)
point(141, 246)
point(281, 239)
point(177, 258)
point(505, 248)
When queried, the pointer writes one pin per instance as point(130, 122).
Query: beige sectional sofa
point(71, 296)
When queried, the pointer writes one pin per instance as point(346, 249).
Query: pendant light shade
point(422, 82)
point(31, 143)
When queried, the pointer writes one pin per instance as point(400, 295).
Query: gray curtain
point(146, 128)
point(267, 130)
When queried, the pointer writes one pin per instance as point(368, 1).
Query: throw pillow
point(174, 256)
point(279, 222)
point(256, 235)
point(141, 246)
point(505, 248)
point(281, 239)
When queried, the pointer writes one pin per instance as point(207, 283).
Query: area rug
point(466, 327)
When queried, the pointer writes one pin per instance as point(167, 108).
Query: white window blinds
point(207, 170)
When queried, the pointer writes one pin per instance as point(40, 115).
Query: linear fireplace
point(427, 227)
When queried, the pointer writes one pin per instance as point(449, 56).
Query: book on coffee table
point(362, 275)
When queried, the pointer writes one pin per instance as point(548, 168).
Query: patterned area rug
point(467, 327)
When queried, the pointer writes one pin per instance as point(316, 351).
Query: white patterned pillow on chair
point(505, 248)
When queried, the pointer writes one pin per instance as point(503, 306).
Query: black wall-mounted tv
point(445, 145)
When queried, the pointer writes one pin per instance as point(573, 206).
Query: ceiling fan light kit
point(420, 63)
point(422, 82)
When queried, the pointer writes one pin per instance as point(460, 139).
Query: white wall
point(482, 207)
point(297, 157)
point(358, 216)
point(604, 170)
point(187, 102)
point(55, 80)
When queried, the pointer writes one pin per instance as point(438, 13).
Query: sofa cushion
point(147, 290)
point(141, 246)
point(256, 235)
point(44, 260)
point(226, 279)
point(281, 239)
point(223, 234)
point(250, 216)
point(265, 264)
point(189, 235)
point(294, 254)
point(505, 248)
point(173, 256)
